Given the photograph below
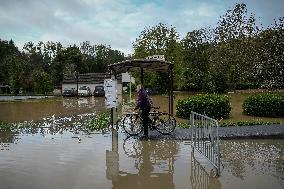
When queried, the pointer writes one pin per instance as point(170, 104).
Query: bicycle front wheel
point(132, 124)
point(166, 124)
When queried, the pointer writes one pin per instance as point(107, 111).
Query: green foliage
point(183, 125)
point(247, 85)
point(49, 61)
point(159, 40)
point(101, 121)
point(4, 126)
point(247, 123)
point(269, 58)
point(212, 105)
point(232, 55)
point(266, 105)
point(42, 82)
point(235, 123)
point(7, 51)
point(17, 73)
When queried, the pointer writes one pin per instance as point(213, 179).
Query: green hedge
point(212, 105)
point(266, 105)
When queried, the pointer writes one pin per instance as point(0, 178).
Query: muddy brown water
point(54, 155)
point(69, 159)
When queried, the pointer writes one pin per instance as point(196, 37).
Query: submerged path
point(257, 131)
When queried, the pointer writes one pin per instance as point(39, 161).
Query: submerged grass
point(89, 121)
point(101, 121)
point(236, 123)
point(5, 126)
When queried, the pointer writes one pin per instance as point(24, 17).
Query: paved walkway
point(257, 131)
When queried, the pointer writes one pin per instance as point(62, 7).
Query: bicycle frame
point(164, 126)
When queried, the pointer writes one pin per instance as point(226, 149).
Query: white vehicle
point(84, 91)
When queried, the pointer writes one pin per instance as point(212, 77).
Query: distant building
point(5, 89)
point(90, 80)
point(126, 79)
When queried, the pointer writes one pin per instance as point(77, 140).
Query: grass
point(6, 126)
point(101, 121)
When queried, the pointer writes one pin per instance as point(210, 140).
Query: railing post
point(205, 138)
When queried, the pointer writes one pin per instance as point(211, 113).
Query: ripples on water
point(255, 157)
point(57, 151)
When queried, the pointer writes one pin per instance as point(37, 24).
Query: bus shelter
point(141, 65)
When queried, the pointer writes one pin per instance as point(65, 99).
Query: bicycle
point(163, 122)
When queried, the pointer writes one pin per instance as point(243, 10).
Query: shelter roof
point(131, 65)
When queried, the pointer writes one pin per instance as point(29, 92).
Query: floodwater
point(36, 110)
point(41, 108)
point(60, 153)
point(68, 158)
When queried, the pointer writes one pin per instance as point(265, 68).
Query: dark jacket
point(144, 101)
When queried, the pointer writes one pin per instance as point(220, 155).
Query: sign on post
point(110, 87)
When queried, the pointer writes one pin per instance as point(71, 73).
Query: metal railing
point(200, 178)
point(205, 138)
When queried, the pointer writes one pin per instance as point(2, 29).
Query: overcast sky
point(115, 22)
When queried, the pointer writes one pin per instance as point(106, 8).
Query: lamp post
point(77, 82)
point(130, 86)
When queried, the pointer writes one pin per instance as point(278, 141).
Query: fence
point(200, 179)
point(205, 138)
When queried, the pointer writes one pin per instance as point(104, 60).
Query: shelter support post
point(170, 90)
point(142, 76)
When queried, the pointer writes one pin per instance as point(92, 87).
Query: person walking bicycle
point(144, 104)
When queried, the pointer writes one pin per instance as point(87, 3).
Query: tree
point(98, 57)
point(195, 59)
point(236, 24)
point(269, 66)
point(42, 82)
point(231, 57)
point(158, 40)
point(16, 72)
point(7, 51)
point(67, 61)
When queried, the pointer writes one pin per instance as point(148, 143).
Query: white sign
point(156, 57)
point(110, 87)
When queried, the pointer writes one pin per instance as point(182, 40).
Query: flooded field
point(58, 152)
point(37, 109)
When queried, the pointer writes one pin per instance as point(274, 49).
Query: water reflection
point(6, 138)
point(49, 126)
point(200, 178)
point(151, 164)
point(56, 155)
point(257, 156)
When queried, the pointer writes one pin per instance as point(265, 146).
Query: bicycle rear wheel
point(132, 124)
point(132, 147)
point(166, 124)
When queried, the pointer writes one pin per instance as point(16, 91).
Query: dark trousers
point(145, 119)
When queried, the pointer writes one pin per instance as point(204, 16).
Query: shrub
point(266, 105)
point(212, 105)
